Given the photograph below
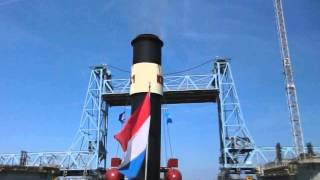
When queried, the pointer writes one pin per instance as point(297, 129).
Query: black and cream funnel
point(146, 76)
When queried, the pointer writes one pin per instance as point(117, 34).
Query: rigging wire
point(191, 68)
point(164, 137)
point(122, 125)
point(167, 132)
point(169, 139)
point(172, 73)
point(117, 151)
point(117, 68)
point(167, 136)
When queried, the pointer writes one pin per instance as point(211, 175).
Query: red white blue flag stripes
point(134, 139)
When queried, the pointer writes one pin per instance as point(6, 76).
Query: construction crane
point(290, 87)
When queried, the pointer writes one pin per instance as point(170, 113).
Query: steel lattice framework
point(288, 73)
point(88, 151)
point(92, 133)
point(236, 142)
point(171, 83)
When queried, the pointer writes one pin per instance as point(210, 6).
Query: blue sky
point(46, 47)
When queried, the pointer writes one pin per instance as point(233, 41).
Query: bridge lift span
point(236, 145)
point(238, 152)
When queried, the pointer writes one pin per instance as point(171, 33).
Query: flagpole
point(146, 164)
point(147, 150)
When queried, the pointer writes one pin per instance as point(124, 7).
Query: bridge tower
point(91, 137)
point(236, 144)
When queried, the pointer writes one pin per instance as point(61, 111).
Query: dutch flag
point(134, 139)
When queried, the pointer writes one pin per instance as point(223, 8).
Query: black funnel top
point(147, 48)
